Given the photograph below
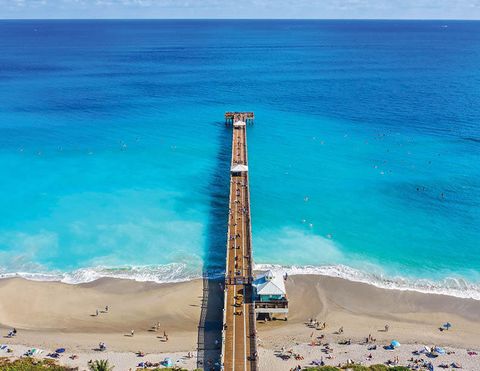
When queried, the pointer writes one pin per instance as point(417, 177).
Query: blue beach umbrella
point(439, 350)
point(447, 325)
point(168, 362)
point(60, 350)
point(395, 344)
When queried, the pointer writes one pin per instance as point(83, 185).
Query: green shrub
point(379, 368)
point(31, 364)
point(358, 368)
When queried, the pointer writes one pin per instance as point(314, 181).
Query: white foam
point(175, 272)
point(180, 272)
point(457, 287)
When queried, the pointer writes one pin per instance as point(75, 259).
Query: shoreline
point(463, 290)
point(50, 315)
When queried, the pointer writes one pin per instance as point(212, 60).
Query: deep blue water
point(364, 157)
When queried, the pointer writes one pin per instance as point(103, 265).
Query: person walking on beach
point(106, 308)
point(133, 333)
point(96, 312)
point(386, 328)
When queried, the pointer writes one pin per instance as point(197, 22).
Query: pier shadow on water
point(211, 318)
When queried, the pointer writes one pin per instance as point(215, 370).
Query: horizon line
point(240, 19)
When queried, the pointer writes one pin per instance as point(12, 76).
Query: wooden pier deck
point(239, 351)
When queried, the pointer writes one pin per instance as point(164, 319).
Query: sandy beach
point(49, 315)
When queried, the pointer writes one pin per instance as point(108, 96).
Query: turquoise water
point(364, 155)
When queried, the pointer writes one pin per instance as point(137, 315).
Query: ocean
point(364, 155)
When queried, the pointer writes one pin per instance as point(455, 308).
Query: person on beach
point(133, 333)
point(340, 330)
point(387, 327)
point(106, 308)
point(96, 312)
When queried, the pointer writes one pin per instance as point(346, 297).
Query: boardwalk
point(239, 335)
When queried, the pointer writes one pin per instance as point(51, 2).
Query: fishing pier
point(239, 339)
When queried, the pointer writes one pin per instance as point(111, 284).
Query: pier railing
point(271, 304)
point(239, 347)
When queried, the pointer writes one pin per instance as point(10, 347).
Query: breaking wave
point(174, 272)
point(180, 272)
point(457, 287)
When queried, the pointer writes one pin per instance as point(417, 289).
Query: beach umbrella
point(395, 344)
point(439, 350)
point(167, 362)
point(60, 350)
point(447, 325)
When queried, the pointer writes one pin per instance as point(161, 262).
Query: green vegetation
point(101, 365)
point(376, 368)
point(380, 368)
point(358, 368)
point(30, 364)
